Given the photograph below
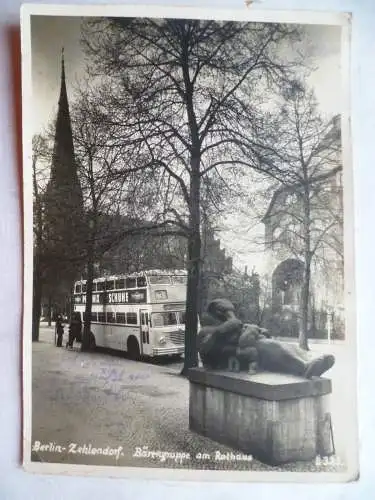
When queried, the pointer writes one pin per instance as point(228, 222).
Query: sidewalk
point(107, 400)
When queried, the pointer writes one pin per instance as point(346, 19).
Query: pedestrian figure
point(59, 331)
point(74, 329)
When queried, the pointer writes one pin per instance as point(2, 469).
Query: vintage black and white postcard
point(189, 306)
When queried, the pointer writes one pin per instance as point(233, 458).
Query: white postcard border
point(279, 16)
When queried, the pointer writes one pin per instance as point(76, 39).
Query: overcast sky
point(50, 34)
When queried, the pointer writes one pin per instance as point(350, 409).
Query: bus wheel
point(133, 348)
point(92, 342)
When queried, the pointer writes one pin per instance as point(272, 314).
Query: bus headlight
point(162, 340)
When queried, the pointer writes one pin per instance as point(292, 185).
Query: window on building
point(276, 237)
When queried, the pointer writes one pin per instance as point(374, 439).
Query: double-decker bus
point(141, 313)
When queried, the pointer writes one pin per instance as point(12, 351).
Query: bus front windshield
point(168, 318)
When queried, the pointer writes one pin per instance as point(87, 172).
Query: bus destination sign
point(128, 297)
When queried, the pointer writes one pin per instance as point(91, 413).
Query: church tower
point(63, 168)
point(64, 225)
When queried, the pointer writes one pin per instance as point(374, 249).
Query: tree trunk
point(194, 265)
point(305, 296)
point(303, 343)
point(71, 303)
point(86, 341)
point(191, 358)
point(194, 203)
point(203, 292)
point(37, 303)
point(49, 314)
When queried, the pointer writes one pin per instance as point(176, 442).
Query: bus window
point(120, 317)
point(179, 280)
point(78, 289)
point(110, 317)
point(120, 284)
point(110, 285)
point(141, 282)
point(94, 287)
point(84, 288)
point(164, 319)
point(159, 279)
point(100, 285)
point(131, 283)
point(101, 317)
point(144, 318)
point(161, 294)
point(94, 316)
point(131, 318)
point(181, 317)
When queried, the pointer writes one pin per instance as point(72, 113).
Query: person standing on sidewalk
point(59, 331)
point(74, 329)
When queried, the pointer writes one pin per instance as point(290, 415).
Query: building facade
point(293, 223)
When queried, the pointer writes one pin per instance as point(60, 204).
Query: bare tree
point(112, 192)
point(187, 95)
point(100, 186)
point(305, 214)
point(41, 155)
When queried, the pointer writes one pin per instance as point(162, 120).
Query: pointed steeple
point(64, 213)
point(63, 154)
point(63, 94)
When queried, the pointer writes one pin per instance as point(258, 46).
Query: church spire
point(63, 92)
point(63, 163)
point(64, 202)
point(63, 83)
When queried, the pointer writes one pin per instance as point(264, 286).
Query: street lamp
point(329, 323)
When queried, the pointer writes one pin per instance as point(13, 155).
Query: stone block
point(277, 418)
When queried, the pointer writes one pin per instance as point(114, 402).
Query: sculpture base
point(277, 418)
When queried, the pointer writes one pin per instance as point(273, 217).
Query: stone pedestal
point(276, 418)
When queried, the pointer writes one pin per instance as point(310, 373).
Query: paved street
point(106, 400)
